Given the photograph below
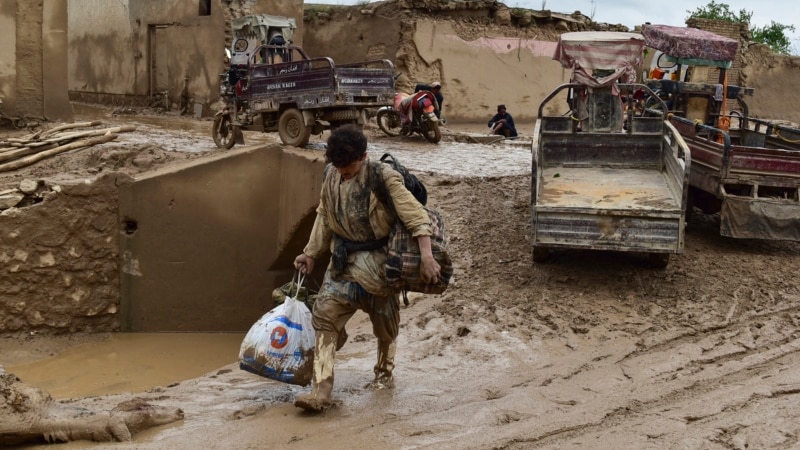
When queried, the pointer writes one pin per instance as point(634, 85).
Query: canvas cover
point(587, 51)
point(690, 45)
point(759, 218)
point(260, 25)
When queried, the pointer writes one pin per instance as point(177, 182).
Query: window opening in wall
point(204, 8)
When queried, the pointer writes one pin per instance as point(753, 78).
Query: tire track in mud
point(633, 357)
point(704, 403)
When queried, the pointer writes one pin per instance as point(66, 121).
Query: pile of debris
point(23, 151)
point(27, 193)
point(18, 152)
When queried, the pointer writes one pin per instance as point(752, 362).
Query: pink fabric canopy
point(584, 52)
point(689, 43)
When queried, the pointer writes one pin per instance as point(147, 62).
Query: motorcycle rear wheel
point(432, 133)
point(389, 122)
point(223, 133)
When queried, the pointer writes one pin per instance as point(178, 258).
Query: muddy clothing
point(350, 212)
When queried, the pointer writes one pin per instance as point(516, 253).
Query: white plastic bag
point(280, 345)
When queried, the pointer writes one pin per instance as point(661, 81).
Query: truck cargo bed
point(621, 190)
point(634, 190)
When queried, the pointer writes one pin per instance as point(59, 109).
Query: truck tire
point(292, 128)
point(389, 122)
point(658, 260)
point(432, 133)
point(541, 254)
point(223, 133)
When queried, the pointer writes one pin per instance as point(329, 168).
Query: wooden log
point(69, 126)
point(24, 151)
point(60, 137)
point(28, 160)
point(83, 134)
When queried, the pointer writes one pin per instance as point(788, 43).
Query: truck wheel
point(389, 122)
point(432, 132)
point(223, 133)
point(658, 260)
point(541, 254)
point(292, 128)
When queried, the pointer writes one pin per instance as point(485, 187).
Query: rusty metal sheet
point(608, 232)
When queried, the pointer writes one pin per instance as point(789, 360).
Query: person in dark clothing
point(436, 89)
point(502, 123)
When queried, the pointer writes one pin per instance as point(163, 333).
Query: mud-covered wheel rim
point(223, 133)
point(432, 133)
point(292, 128)
point(389, 122)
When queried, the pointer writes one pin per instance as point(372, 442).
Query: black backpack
point(412, 183)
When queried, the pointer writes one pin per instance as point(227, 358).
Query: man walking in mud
point(354, 224)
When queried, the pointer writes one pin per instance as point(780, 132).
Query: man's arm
point(318, 242)
point(430, 269)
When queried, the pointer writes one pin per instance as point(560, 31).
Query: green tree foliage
point(773, 35)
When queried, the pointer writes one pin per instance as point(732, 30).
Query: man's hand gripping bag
point(403, 258)
point(280, 345)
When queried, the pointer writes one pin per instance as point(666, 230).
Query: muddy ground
point(593, 349)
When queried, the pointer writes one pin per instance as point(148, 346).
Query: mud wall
point(59, 260)
point(33, 59)
point(776, 81)
point(8, 56)
point(481, 53)
point(123, 52)
point(485, 54)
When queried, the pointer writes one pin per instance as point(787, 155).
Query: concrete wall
point(33, 59)
point(197, 248)
point(122, 52)
point(203, 243)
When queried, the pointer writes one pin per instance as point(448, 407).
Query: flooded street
point(593, 349)
point(129, 362)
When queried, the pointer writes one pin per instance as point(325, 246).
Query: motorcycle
point(16, 122)
point(418, 111)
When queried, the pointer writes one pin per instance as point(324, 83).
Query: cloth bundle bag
point(403, 258)
point(280, 345)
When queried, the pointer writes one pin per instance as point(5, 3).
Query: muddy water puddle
point(130, 362)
